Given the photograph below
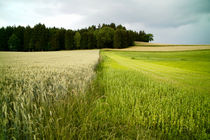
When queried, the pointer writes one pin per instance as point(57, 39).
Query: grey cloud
point(157, 16)
point(153, 13)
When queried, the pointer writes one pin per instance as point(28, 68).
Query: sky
point(170, 21)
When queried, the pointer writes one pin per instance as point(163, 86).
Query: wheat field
point(36, 86)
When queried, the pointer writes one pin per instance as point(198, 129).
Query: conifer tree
point(77, 39)
point(13, 42)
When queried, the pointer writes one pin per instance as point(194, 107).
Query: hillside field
point(128, 95)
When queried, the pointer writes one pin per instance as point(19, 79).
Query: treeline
point(41, 38)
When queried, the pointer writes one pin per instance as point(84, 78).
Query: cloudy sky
point(171, 21)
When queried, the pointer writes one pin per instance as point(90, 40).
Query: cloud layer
point(171, 21)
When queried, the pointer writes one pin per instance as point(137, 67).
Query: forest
point(42, 38)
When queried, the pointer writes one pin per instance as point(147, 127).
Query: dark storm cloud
point(167, 19)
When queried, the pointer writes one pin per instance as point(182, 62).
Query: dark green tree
point(121, 27)
point(61, 37)
point(54, 43)
point(7, 34)
point(104, 37)
point(77, 39)
point(14, 42)
point(69, 40)
point(149, 37)
point(3, 40)
point(84, 40)
point(130, 38)
point(19, 32)
point(27, 38)
point(91, 40)
point(117, 39)
point(113, 26)
point(120, 38)
point(40, 37)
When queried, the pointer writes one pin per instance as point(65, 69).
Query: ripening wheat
point(36, 90)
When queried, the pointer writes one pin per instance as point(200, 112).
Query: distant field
point(144, 46)
point(138, 43)
point(168, 48)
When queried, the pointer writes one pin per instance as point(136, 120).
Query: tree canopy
point(41, 38)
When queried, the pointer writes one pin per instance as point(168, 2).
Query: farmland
point(144, 46)
point(131, 95)
point(165, 92)
point(37, 91)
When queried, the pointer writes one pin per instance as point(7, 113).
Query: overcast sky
point(171, 21)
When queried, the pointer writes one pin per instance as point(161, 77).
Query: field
point(144, 46)
point(37, 91)
point(164, 92)
point(131, 95)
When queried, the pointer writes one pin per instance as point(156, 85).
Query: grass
point(187, 69)
point(134, 95)
point(145, 98)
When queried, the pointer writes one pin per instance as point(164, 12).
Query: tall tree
point(104, 37)
point(77, 39)
point(69, 40)
point(149, 37)
point(14, 42)
point(19, 32)
point(131, 37)
point(8, 32)
point(120, 38)
point(40, 37)
point(121, 27)
point(27, 38)
point(113, 26)
point(84, 40)
point(3, 39)
point(91, 40)
point(54, 43)
point(124, 39)
point(117, 39)
point(61, 36)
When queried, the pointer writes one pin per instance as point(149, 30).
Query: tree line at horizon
point(41, 38)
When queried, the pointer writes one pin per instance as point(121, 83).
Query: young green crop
point(144, 99)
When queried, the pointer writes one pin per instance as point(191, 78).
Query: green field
point(185, 69)
point(166, 93)
point(132, 95)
